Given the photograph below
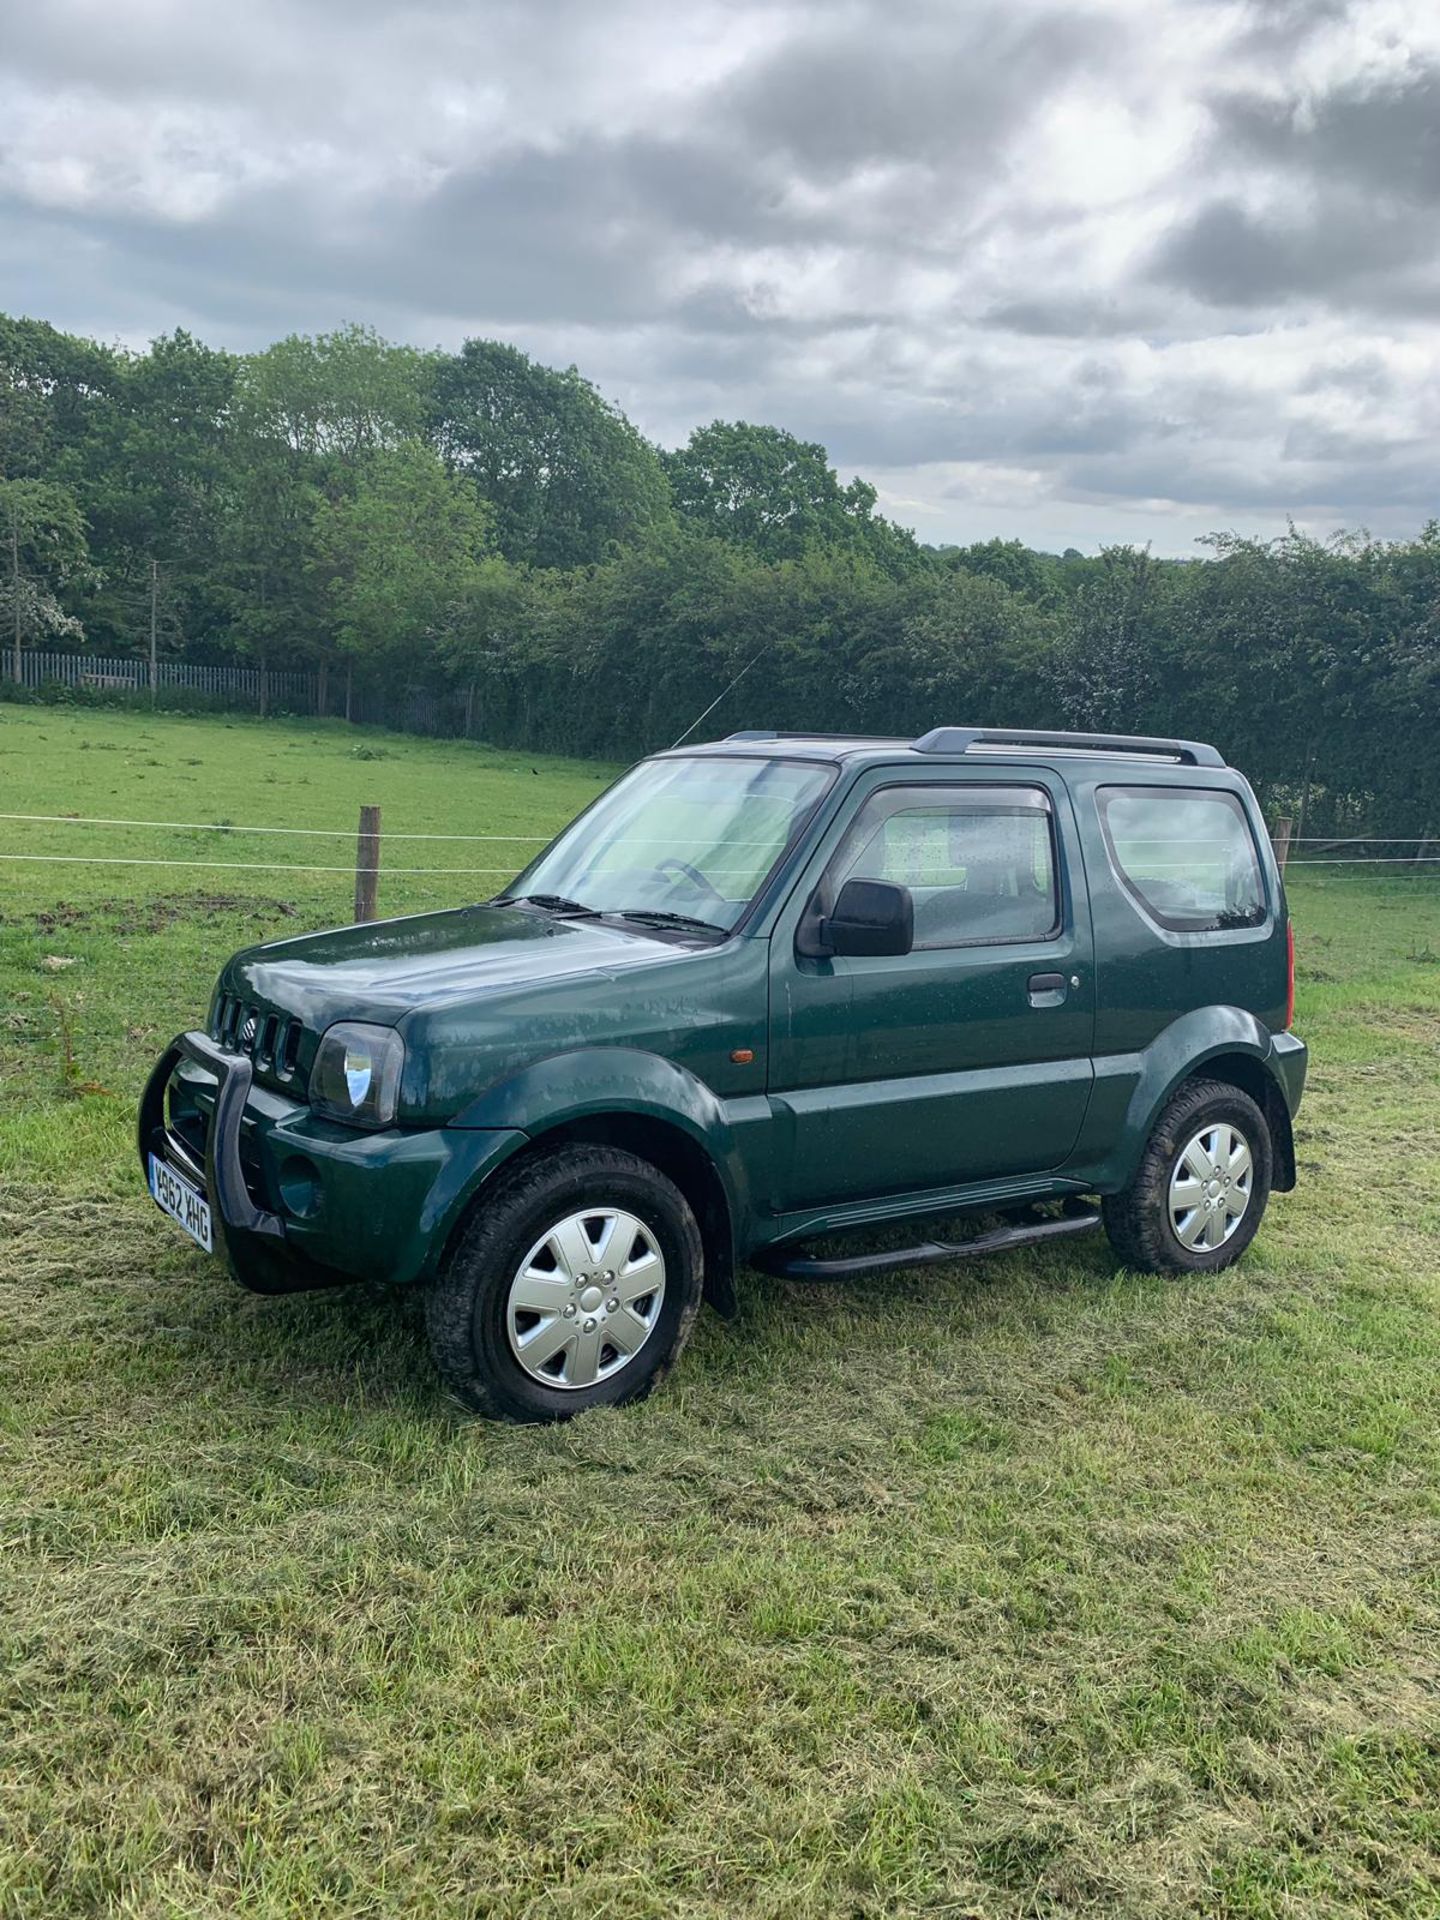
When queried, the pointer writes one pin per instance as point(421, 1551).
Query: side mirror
point(871, 917)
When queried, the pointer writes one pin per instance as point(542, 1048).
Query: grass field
point(1031, 1589)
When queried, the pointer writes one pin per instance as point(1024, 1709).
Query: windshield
point(691, 838)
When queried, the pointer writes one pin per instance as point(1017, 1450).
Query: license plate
point(181, 1201)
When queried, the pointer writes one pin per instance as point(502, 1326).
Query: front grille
point(271, 1040)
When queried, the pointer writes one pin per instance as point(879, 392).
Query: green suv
point(763, 992)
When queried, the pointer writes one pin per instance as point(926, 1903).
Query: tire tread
point(556, 1178)
point(1136, 1218)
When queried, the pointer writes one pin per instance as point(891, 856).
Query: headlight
point(356, 1075)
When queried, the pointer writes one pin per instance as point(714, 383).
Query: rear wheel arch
point(1251, 1075)
point(1199, 1191)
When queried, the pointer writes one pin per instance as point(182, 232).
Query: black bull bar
point(221, 1176)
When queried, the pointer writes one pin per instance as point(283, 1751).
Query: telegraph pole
point(15, 584)
point(154, 600)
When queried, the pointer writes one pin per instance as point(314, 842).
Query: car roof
point(974, 745)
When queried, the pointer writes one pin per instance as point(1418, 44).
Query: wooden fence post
point(367, 864)
point(1281, 840)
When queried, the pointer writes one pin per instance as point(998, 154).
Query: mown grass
point(1036, 1588)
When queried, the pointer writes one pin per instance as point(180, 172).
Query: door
point(967, 1059)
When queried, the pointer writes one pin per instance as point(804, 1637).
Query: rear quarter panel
point(1148, 975)
point(1166, 1001)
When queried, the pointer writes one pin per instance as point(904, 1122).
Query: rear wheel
point(1202, 1185)
point(575, 1285)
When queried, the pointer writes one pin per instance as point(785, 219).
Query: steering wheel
point(693, 875)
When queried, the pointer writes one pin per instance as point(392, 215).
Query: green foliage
point(400, 556)
point(778, 497)
point(1010, 562)
point(476, 523)
point(566, 474)
point(336, 397)
point(42, 551)
point(153, 479)
point(1107, 663)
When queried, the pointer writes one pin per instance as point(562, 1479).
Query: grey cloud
point(1333, 200)
point(1354, 256)
point(1277, 29)
point(1360, 373)
point(840, 215)
point(927, 85)
point(1078, 315)
point(1228, 486)
point(1357, 450)
point(1381, 140)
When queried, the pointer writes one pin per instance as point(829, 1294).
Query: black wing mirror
point(871, 917)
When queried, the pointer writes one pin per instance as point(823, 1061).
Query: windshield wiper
point(661, 918)
point(550, 902)
point(556, 903)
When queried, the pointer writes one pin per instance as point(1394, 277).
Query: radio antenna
point(719, 697)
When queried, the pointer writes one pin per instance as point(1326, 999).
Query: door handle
point(1046, 989)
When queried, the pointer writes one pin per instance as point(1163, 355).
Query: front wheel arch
point(470, 1305)
point(673, 1152)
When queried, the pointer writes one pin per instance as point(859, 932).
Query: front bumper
point(299, 1196)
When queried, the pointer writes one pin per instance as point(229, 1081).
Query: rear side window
point(1187, 855)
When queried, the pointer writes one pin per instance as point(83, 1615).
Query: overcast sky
point(1133, 269)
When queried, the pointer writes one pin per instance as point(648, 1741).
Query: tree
point(482, 646)
point(478, 519)
point(334, 396)
point(1105, 667)
point(566, 474)
point(155, 489)
point(307, 418)
point(763, 489)
point(1011, 562)
point(54, 389)
point(45, 551)
point(399, 560)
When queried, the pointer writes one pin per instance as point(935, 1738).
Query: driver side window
point(979, 862)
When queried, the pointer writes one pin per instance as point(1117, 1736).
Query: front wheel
point(1201, 1188)
point(575, 1285)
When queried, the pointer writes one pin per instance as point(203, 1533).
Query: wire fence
point(226, 826)
point(365, 871)
point(238, 866)
point(1419, 861)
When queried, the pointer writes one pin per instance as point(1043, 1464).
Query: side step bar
point(792, 1264)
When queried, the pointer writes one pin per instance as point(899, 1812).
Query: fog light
point(300, 1186)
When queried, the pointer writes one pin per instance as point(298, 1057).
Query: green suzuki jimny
point(763, 992)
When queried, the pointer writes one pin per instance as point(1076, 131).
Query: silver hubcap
point(585, 1298)
point(1210, 1187)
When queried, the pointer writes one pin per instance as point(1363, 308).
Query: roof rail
point(1190, 753)
point(766, 733)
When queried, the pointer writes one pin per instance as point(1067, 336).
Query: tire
point(520, 1281)
point(1150, 1222)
